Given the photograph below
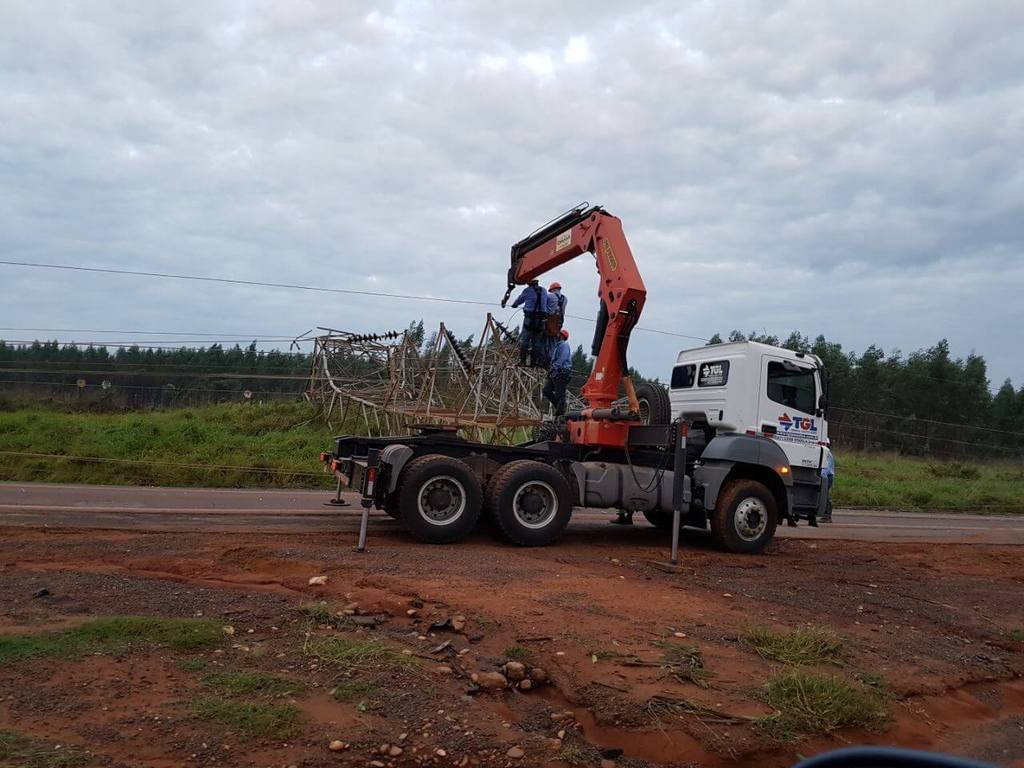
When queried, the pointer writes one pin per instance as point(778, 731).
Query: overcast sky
point(846, 168)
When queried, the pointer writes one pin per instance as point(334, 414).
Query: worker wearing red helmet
point(559, 373)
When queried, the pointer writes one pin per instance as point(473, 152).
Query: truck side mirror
point(822, 404)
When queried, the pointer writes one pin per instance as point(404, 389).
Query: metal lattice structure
point(384, 384)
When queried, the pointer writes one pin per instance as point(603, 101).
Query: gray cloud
point(846, 168)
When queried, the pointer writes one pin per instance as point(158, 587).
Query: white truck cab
point(750, 388)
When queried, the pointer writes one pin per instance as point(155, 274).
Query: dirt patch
point(930, 626)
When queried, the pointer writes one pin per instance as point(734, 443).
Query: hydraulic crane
point(737, 476)
point(621, 294)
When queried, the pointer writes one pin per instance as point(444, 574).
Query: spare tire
point(655, 407)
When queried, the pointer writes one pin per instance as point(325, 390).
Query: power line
point(299, 287)
point(175, 390)
point(202, 375)
point(241, 336)
point(926, 421)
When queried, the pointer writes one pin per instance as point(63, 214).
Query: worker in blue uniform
point(556, 316)
point(534, 300)
point(559, 373)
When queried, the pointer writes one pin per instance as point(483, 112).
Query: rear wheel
point(655, 407)
point(530, 502)
point(439, 499)
point(745, 517)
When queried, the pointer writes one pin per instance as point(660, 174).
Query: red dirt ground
point(935, 621)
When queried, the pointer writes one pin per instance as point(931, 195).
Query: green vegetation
point(353, 690)
point(518, 653)
point(113, 635)
point(277, 721)
point(324, 614)
point(250, 683)
point(277, 445)
point(1017, 635)
point(810, 704)
point(887, 480)
point(685, 663)
point(353, 652)
point(572, 754)
point(810, 645)
point(191, 665)
point(20, 751)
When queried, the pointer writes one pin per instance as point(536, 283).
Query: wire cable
point(298, 287)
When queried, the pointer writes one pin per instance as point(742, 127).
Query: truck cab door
point(788, 405)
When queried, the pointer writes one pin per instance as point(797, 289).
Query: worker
point(828, 477)
point(556, 316)
point(531, 339)
point(559, 373)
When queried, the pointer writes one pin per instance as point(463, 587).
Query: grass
point(685, 662)
point(281, 442)
point(251, 683)
point(323, 614)
point(811, 645)
point(352, 652)
point(191, 665)
point(20, 751)
point(1017, 635)
point(573, 755)
point(353, 690)
point(269, 721)
point(518, 653)
point(812, 704)
point(900, 482)
point(113, 635)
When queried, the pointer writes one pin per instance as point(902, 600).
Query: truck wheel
point(391, 505)
point(655, 407)
point(439, 499)
point(530, 502)
point(744, 517)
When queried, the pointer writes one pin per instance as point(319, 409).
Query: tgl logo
point(787, 423)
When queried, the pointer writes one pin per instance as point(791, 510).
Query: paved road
point(203, 509)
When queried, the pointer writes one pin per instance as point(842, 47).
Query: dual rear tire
point(439, 501)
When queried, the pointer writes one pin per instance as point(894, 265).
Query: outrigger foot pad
point(337, 503)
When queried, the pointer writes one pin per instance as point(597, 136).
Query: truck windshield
point(792, 386)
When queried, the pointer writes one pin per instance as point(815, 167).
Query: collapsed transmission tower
point(385, 384)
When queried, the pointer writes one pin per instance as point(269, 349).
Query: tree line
point(880, 400)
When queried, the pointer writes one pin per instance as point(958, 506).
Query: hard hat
point(564, 334)
point(556, 286)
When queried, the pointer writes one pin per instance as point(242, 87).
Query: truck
point(735, 445)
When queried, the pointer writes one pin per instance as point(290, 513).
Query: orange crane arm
point(621, 291)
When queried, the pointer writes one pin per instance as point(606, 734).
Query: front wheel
point(439, 499)
point(530, 502)
point(744, 517)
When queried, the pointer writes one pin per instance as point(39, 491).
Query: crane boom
point(621, 292)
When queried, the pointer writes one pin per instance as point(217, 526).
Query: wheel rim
point(441, 500)
point(644, 411)
point(751, 518)
point(535, 504)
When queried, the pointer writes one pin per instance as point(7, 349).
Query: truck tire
point(655, 407)
point(744, 517)
point(439, 499)
point(529, 502)
point(391, 505)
